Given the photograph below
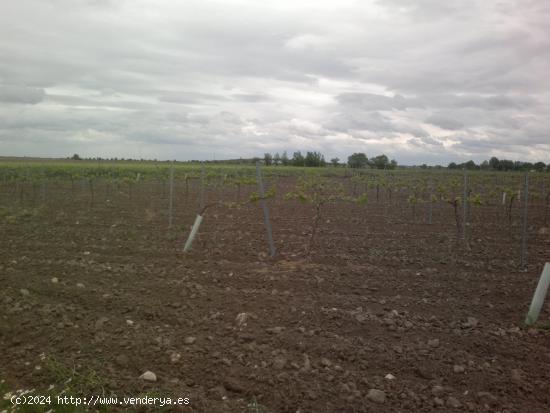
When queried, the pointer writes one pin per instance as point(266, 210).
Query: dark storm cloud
point(143, 78)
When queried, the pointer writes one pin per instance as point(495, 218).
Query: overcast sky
point(422, 81)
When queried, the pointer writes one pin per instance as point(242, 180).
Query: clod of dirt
point(438, 402)
point(55, 280)
point(307, 363)
point(275, 330)
point(433, 343)
point(189, 340)
point(24, 292)
point(100, 323)
point(377, 396)
point(458, 369)
point(80, 285)
point(148, 376)
point(438, 390)
point(486, 398)
point(279, 363)
point(470, 322)
point(516, 376)
point(453, 402)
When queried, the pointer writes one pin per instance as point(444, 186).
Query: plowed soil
point(385, 301)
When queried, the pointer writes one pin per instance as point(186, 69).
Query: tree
point(76, 157)
point(358, 160)
point(469, 165)
point(393, 164)
point(314, 159)
point(284, 159)
point(452, 165)
point(539, 166)
point(494, 163)
point(277, 159)
point(298, 159)
point(379, 162)
point(268, 159)
point(335, 161)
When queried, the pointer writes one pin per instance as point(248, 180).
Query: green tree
point(76, 157)
point(284, 159)
point(277, 159)
point(268, 159)
point(380, 162)
point(314, 159)
point(335, 161)
point(358, 160)
point(298, 159)
point(494, 163)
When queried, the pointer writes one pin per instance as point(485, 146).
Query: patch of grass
point(254, 407)
point(71, 382)
point(14, 215)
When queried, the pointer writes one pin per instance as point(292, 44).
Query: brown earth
point(381, 294)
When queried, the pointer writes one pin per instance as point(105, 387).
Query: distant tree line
point(317, 159)
point(496, 164)
point(360, 160)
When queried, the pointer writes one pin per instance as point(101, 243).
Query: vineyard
point(401, 290)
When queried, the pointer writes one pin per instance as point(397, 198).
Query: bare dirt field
point(386, 315)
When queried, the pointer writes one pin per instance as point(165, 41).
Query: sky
point(424, 81)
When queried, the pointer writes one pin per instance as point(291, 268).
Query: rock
point(275, 330)
point(326, 362)
point(148, 376)
point(438, 401)
point(129, 322)
point(423, 373)
point(175, 357)
point(438, 390)
point(376, 396)
point(458, 369)
point(80, 285)
point(189, 340)
point(389, 376)
point(241, 319)
point(433, 343)
point(279, 363)
point(24, 292)
point(471, 322)
point(453, 402)
point(544, 231)
point(55, 280)
point(486, 398)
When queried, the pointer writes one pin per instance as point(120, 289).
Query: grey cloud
point(259, 76)
point(21, 94)
point(370, 101)
point(444, 122)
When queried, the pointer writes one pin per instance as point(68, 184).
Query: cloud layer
point(422, 81)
